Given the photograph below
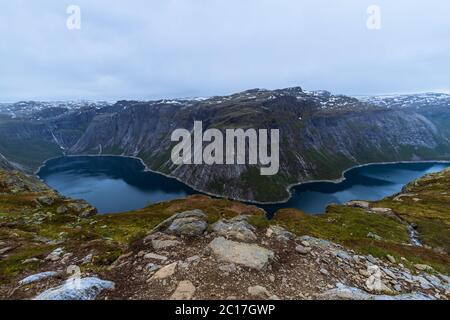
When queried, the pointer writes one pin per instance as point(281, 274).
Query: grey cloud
point(140, 49)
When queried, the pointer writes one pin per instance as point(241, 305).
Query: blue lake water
point(118, 184)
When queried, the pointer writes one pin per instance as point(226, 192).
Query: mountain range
point(321, 134)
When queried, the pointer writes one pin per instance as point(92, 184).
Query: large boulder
point(244, 254)
point(236, 229)
point(189, 223)
point(77, 289)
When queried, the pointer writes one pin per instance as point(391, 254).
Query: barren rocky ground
point(202, 248)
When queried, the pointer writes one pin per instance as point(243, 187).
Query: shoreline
point(289, 188)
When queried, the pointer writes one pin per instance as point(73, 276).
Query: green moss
point(13, 264)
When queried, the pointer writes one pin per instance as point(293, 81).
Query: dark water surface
point(117, 184)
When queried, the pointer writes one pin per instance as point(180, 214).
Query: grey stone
point(184, 291)
point(191, 227)
point(77, 289)
point(55, 255)
point(155, 256)
point(343, 292)
point(280, 233)
point(165, 272)
point(38, 277)
point(46, 200)
point(239, 230)
point(61, 209)
point(374, 236)
point(302, 250)
point(258, 292)
point(358, 204)
point(247, 255)
point(151, 267)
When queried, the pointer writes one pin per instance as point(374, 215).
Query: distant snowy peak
point(417, 101)
point(46, 109)
point(323, 100)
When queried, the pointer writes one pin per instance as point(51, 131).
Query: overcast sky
point(141, 49)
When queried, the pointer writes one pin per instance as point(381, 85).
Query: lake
point(118, 184)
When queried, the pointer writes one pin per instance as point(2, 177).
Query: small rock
point(381, 210)
point(398, 288)
point(61, 209)
point(165, 272)
point(374, 236)
point(193, 259)
point(302, 250)
point(423, 267)
point(391, 258)
point(30, 260)
point(5, 250)
point(45, 200)
point(184, 291)
point(164, 244)
point(55, 255)
point(306, 244)
point(258, 292)
point(324, 272)
point(66, 257)
point(343, 255)
point(87, 259)
point(155, 256)
point(358, 204)
point(228, 268)
point(151, 267)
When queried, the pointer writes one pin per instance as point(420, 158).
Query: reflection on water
point(372, 182)
point(117, 184)
point(112, 184)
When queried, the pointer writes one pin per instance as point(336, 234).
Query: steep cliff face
point(320, 136)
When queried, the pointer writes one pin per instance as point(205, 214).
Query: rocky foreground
point(200, 248)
